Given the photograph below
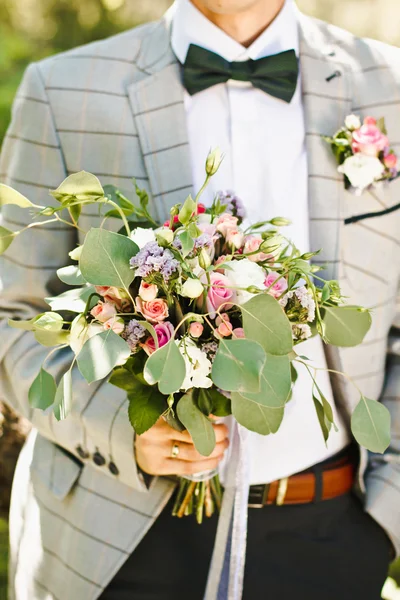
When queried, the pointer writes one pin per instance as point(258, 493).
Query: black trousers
point(330, 550)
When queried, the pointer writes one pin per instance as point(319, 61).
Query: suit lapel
point(157, 103)
point(327, 101)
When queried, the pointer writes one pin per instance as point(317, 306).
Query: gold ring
point(175, 451)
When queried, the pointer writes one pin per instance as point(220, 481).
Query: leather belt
point(324, 483)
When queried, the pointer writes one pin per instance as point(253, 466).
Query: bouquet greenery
point(196, 317)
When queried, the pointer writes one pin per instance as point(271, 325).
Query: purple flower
point(134, 331)
point(152, 258)
point(234, 205)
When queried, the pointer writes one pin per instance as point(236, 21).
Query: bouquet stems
point(198, 497)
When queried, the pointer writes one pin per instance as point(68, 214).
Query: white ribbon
point(225, 577)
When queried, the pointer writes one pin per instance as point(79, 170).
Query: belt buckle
point(282, 490)
point(262, 492)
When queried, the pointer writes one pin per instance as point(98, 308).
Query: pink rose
point(103, 311)
point(252, 244)
point(225, 329)
point(278, 288)
point(390, 161)
point(154, 311)
point(164, 332)
point(235, 238)
point(238, 332)
point(370, 121)
point(196, 329)
point(219, 293)
point(117, 325)
point(208, 228)
point(369, 140)
point(226, 222)
point(114, 295)
point(148, 291)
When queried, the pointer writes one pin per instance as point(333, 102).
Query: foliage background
point(33, 29)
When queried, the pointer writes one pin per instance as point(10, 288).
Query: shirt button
point(83, 454)
point(112, 467)
point(98, 459)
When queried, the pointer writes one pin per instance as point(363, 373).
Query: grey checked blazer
point(115, 108)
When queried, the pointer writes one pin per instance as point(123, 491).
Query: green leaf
point(166, 367)
point(75, 212)
point(265, 322)
point(21, 324)
point(128, 376)
point(237, 365)
point(187, 243)
point(221, 405)
point(255, 417)
point(146, 405)
point(71, 275)
point(82, 186)
point(6, 238)
point(10, 196)
point(52, 338)
point(324, 423)
point(105, 258)
point(197, 424)
point(49, 321)
point(71, 300)
point(381, 125)
point(63, 398)
point(100, 354)
point(187, 210)
point(276, 383)
point(370, 424)
point(326, 292)
point(204, 401)
point(42, 391)
point(345, 326)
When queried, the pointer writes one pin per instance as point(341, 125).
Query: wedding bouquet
point(196, 318)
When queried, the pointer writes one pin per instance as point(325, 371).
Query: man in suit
point(90, 516)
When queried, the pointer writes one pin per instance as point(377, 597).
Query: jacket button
point(83, 454)
point(113, 468)
point(99, 459)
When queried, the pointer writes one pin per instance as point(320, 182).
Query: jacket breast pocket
point(54, 467)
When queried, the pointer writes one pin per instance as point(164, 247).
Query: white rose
point(81, 332)
point(198, 367)
point(352, 122)
point(142, 236)
point(192, 288)
point(166, 234)
point(362, 170)
point(243, 274)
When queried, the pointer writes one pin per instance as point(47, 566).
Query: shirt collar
point(190, 26)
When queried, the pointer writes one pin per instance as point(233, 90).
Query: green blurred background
point(33, 29)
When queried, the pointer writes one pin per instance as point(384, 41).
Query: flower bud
point(213, 161)
point(271, 245)
point(192, 288)
point(352, 122)
point(117, 325)
point(148, 291)
point(252, 289)
point(196, 329)
point(165, 235)
point(204, 259)
point(280, 222)
point(75, 254)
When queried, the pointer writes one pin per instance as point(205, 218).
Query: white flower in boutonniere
point(363, 153)
point(362, 170)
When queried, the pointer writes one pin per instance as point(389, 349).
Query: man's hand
point(153, 451)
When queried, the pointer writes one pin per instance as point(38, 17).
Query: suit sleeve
point(32, 161)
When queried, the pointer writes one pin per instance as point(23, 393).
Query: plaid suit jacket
point(115, 108)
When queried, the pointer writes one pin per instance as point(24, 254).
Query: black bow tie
point(275, 75)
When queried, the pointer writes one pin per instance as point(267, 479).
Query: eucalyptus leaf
point(49, 321)
point(146, 405)
point(197, 424)
point(130, 374)
point(63, 398)
point(323, 421)
point(6, 238)
point(187, 242)
point(71, 300)
point(26, 325)
point(204, 401)
point(50, 338)
point(10, 196)
point(71, 275)
point(42, 391)
point(265, 322)
point(254, 416)
point(221, 405)
point(105, 258)
point(370, 425)
point(187, 210)
point(75, 212)
point(345, 326)
point(237, 366)
point(166, 367)
point(276, 383)
point(100, 354)
point(81, 185)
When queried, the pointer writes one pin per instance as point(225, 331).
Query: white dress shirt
point(265, 164)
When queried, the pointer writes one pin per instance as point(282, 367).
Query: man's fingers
point(183, 467)
point(188, 452)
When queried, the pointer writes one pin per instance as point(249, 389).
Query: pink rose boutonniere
point(363, 153)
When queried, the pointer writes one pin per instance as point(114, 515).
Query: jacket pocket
point(54, 467)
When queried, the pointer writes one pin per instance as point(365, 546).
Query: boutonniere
point(363, 153)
